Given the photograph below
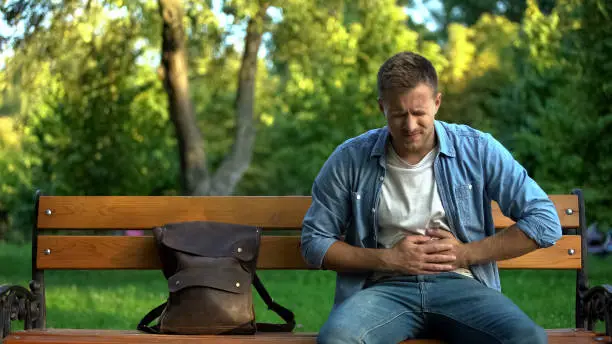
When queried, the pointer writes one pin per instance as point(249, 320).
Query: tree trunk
point(237, 161)
point(194, 172)
point(4, 223)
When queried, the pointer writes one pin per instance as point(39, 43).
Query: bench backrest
point(279, 250)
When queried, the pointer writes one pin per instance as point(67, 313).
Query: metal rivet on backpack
point(571, 251)
point(177, 282)
point(47, 251)
point(237, 284)
point(569, 211)
point(239, 249)
point(48, 212)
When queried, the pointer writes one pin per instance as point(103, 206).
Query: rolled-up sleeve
point(519, 196)
point(326, 219)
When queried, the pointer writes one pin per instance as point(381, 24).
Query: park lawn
point(118, 299)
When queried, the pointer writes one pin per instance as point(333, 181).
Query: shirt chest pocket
point(363, 219)
point(464, 195)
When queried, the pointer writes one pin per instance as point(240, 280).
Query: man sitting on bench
point(413, 200)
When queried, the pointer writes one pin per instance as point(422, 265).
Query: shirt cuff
point(315, 249)
point(542, 235)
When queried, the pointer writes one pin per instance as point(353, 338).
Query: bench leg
point(17, 304)
point(598, 307)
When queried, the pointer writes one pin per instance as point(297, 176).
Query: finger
point(435, 246)
point(447, 241)
point(440, 258)
point(435, 268)
point(439, 233)
point(417, 239)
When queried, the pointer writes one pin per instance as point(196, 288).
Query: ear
point(438, 101)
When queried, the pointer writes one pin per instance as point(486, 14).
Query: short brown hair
point(406, 70)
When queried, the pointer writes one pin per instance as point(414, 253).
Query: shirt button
point(381, 178)
point(373, 210)
point(358, 196)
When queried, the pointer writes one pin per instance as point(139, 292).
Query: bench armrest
point(17, 304)
point(598, 307)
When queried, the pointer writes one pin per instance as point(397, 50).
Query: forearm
point(344, 257)
point(509, 243)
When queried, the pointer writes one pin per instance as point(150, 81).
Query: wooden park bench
point(277, 252)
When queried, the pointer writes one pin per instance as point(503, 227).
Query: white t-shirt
point(409, 200)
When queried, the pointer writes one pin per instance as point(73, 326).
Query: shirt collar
point(381, 143)
point(443, 141)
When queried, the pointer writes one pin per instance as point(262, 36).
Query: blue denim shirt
point(471, 169)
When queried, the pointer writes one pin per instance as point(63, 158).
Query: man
point(413, 202)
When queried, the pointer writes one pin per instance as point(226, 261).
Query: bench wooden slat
point(277, 252)
point(557, 336)
point(562, 204)
point(137, 212)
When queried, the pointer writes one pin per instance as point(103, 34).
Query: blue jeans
point(447, 306)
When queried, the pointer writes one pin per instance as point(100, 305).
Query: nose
point(411, 122)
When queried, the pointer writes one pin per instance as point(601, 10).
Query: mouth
point(411, 136)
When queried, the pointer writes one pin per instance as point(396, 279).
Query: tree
point(467, 12)
point(196, 178)
point(326, 65)
point(480, 65)
point(580, 116)
point(90, 120)
point(557, 113)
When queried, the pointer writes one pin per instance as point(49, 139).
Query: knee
point(333, 334)
point(528, 334)
point(537, 334)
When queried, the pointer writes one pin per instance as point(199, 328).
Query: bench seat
point(56, 336)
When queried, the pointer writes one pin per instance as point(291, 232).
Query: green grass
point(118, 299)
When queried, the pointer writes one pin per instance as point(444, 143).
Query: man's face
point(410, 118)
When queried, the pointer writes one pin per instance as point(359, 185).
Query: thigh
point(464, 310)
point(382, 313)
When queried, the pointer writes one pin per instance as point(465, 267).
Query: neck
point(413, 156)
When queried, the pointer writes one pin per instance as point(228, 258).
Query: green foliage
point(92, 121)
point(328, 86)
point(562, 101)
point(469, 11)
point(16, 200)
point(480, 65)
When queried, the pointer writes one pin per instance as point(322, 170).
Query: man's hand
point(420, 255)
point(458, 249)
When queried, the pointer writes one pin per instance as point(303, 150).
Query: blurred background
point(84, 110)
point(264, 91)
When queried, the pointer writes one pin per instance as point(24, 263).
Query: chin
point(411, 143)
point(410, 146)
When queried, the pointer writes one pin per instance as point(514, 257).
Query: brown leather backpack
point(210, 268)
